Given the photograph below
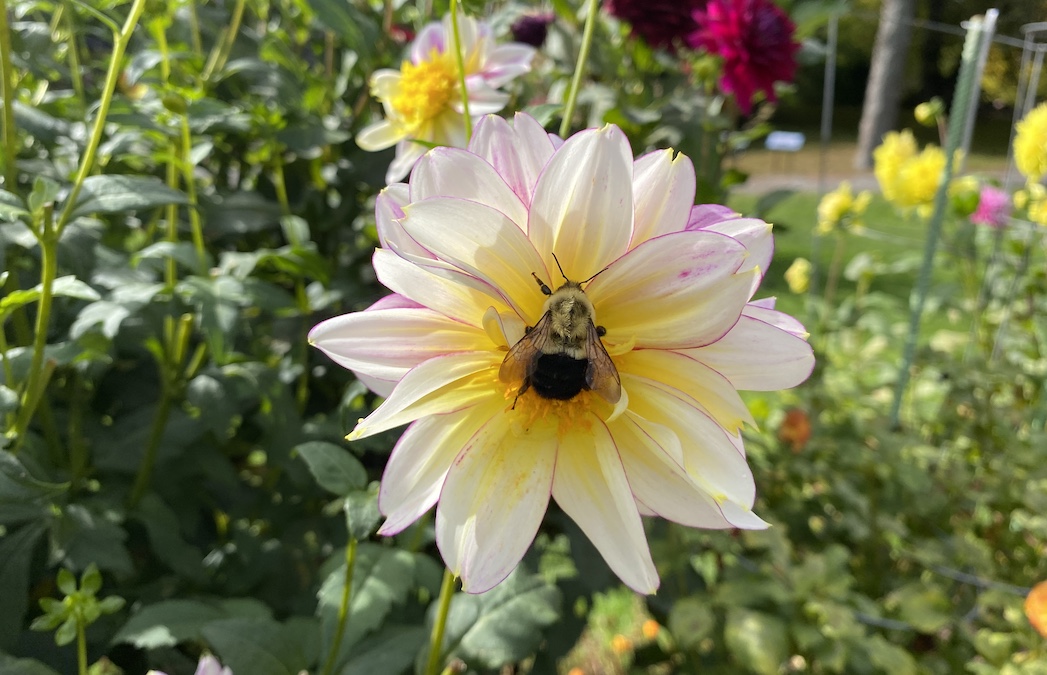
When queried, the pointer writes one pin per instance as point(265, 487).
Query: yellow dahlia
point(1030, 144)
point(423, 100)
point(644, 418)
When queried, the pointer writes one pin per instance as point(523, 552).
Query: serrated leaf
point(334, 468)
point(119, 193)
point(166, 623)
point(756, 641)
point(382, 578)
point(503, 625)
point(255, 646)
point(390, 651)
point(16, 556)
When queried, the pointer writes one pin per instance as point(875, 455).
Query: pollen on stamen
point(531, 411)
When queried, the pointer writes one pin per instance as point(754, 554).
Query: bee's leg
point(520, 392)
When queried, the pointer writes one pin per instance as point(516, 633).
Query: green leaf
point(91, 580)
point(756, 641)
point(255, 646)
point(164, 530)
point(10, 665)
point(382, 578)
point(334, 468)
point(68, 286)
point(111, 605)
point(503, 625)
point(181, 252)
point(391, 651)
point(166, 623)
point(361, 511)
point(354, 27)
point(66, 633)
point(12, 208)
point(16, 556)
point(66, 581)
point(691, 620)
point(82, 537)
point(925, 607)
point(118, 193)
point(23, 497)
point(888, 657)
point(296, 230)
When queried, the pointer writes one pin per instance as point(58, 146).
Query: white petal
point(385, 83)
point(483, 243)
point(440, 385)
point(407, 153)
point(583, 203)
point(663, 190)
point(379, 136)
point(507, 62)
point(691, 377)
point(710, 455)
point(763, 310)
point(388, 209)
point(453, 172)
point(431, 38)
point(483, 100)
point(518, 152)
point(755, 235)
point(420, 461)
point(456, 295)
point(757, 356)
point(591, 487)
point(386, 343)
point(492, 504)
point(660, 483)
point(674, 291)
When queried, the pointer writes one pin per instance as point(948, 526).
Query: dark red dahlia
point(755, 40)
point(531, 29)
point(660, 23)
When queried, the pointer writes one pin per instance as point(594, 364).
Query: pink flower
point(755, 40)
point(994, 207)
point(614, 394)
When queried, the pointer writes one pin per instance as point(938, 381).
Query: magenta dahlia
point(660, 23)
point(755, 40)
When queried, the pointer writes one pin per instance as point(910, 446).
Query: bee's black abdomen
point(558, 376)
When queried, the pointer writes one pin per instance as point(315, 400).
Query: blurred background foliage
point(183, 484)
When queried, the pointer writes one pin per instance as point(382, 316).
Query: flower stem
point(579, 68)
point(343, 607)
point(833, 279)
point(81, 649)
point(120, 42)
point(195, 224)
point(436, 641)
point(460, 62)
point(7, 90)
point(74, 60)
point(220, 53)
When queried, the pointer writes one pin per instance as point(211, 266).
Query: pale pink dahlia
point(423, 100)
point(462, 246)
point(755, 40)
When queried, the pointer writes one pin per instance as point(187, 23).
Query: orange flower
point(1036, 607)
point(795, 429)
point(650, 629)
point(621, 644)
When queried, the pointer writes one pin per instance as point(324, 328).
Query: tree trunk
point(883, 92)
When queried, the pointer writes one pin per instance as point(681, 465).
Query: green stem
point(74, 61)
point(36, 381)
point(343, 608)
point(195, 224)
point(220, 53)
point(579, 68)
point(120, 42)
point(833, 279)
point(436, 641)
point(460, 62)
point(81, 648)
point(7, 90)
point(194, 29)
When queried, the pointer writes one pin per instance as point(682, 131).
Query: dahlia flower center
point(425, 89)
point(535, 414)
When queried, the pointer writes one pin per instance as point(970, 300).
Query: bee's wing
point(601, 376)
point(520, 362)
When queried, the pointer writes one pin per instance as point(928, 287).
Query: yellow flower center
point(532, 414)
point(425, 89)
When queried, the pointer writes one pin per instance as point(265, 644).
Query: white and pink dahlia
point(671, 289)
point(423, 100)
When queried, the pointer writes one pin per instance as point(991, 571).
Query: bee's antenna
point(593, 276)
point(560, 267)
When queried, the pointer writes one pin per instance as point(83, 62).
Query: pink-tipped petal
point(663, 191)
point(518, 152)
point(582, 209)
point(591, 487)
point(758, 356)
point(431, 38)
point(453, 172)
point(704, 215)
point(507, 62)
point(675, 291)
point(492, 504)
